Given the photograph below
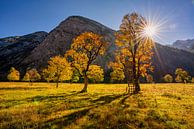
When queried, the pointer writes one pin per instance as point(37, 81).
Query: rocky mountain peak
point(59, 39)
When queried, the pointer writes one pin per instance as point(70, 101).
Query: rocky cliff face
point(13, 50)
point(35, 50)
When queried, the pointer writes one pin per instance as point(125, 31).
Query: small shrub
point(168, 78)
point(13, 75)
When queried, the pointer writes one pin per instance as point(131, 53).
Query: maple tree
point(134, 49)
point(117, 74)
point(182, 76)
point(84, 51)
point(31, 75)
point(58, 69)
point(13, 75)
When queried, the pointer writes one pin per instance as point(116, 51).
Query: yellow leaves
point(133, 50)
point(95, 73)
point(89, 43)
point(182, 75)
point(13, 75)
point(26, 77)
point(58, 69)
point(117, 73)
point(84, 50)
point(32, 75)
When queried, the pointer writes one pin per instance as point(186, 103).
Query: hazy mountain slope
point(187, 45)
point(167, 59)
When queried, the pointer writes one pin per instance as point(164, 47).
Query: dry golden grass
point(104, 106)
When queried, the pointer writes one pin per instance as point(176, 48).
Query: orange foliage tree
point(134, 49)
point(13, 75)
point(58, 69)
point(84, 51)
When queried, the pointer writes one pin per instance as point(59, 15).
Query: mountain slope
point(58, 41)
point(167, 59)
point(13, 50)
point(187, 45)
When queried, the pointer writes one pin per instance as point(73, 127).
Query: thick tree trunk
point(137, 86)
point(85, 84)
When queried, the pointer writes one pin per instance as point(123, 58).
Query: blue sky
point(19, 17)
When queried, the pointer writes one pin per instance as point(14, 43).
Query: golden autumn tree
point(31, 75)
point(182, 76)
point(168, 78)
point(26, 77)
point(84, 51)
point(13, 75)
point(134, 49)
point(58, 69)
point(117, 74)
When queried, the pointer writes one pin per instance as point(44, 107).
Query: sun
point(153, 27)
point(150, 30)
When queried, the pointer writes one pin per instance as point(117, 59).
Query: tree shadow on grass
point(122, 101)
point(22, 88)
point(71, 118)
point(36, 99)
point(106, 99)
point(66, 120)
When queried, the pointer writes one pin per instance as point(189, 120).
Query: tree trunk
point(85, 84)
point(137, 86)
point(134, 79)
point(57, 82)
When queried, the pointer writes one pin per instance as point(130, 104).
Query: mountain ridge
point(58, 41)
point(187, 45)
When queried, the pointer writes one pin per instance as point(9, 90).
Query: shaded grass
point(104, 106)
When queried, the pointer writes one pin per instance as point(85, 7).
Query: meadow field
point(41, 105)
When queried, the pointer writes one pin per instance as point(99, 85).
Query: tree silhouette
point(134, 49)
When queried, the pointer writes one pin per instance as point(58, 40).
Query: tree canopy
point(134, 49)
point(13, 75)
point(58, 69)
point(84, 51)
point(182, 75)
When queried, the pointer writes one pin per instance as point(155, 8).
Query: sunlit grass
point(41, 105)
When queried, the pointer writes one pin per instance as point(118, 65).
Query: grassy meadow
point(41, 105)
